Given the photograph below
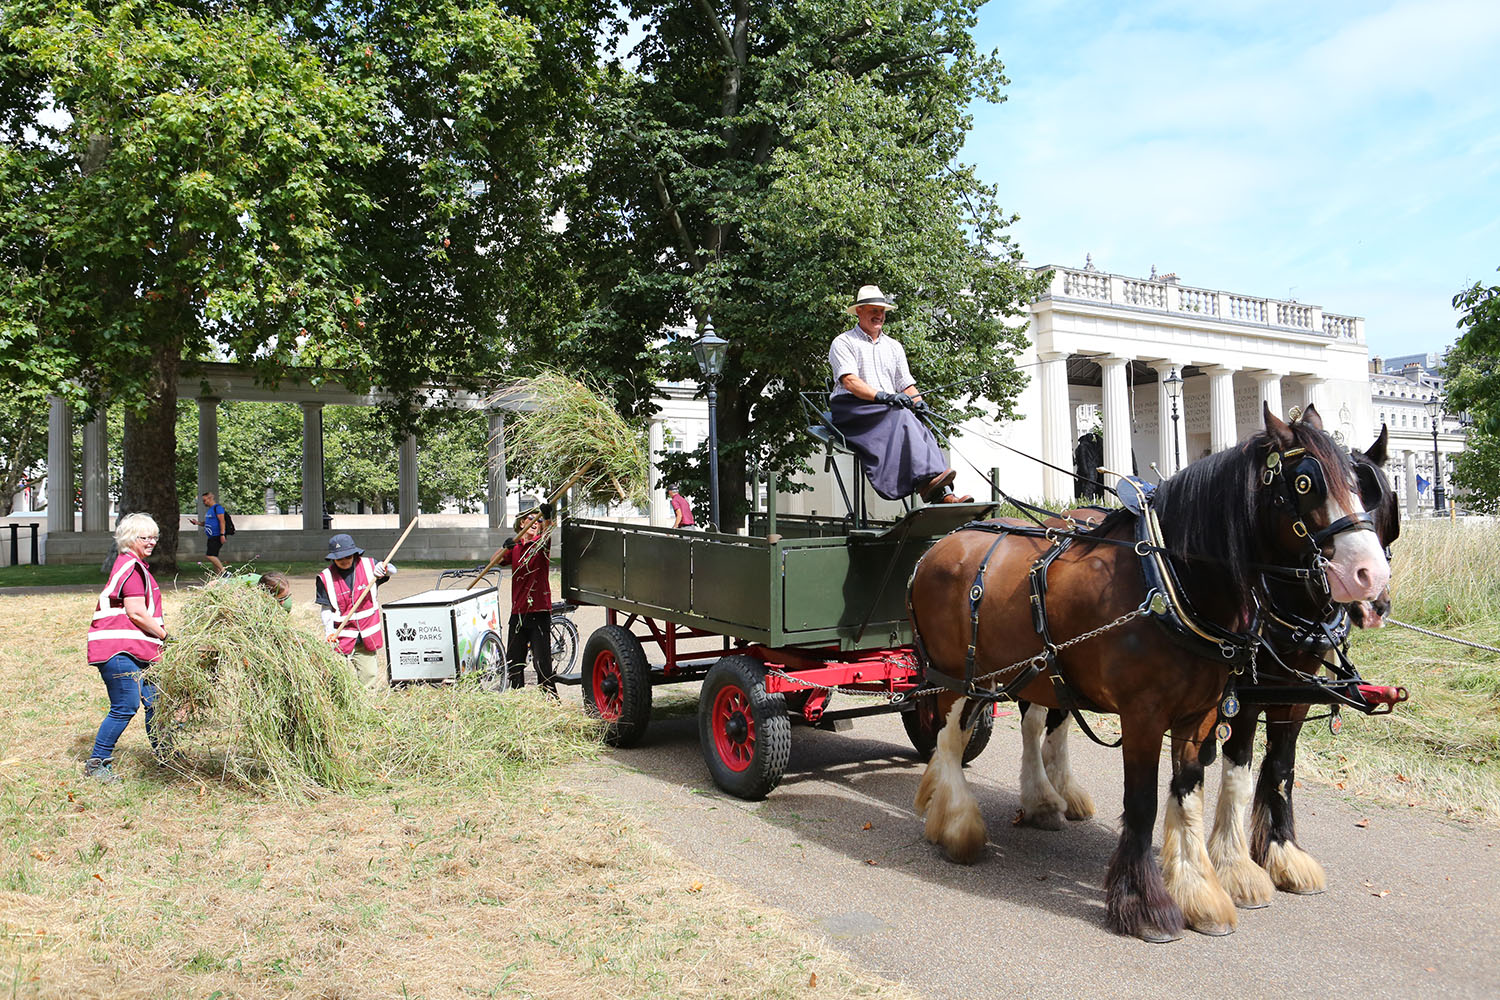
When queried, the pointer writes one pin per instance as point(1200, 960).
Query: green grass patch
point(56, 575)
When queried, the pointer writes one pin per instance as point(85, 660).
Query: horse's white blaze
point(1059, 767)
point(1358, 570)
point(953, 818)
point(1229, 849)
point(1187, 871)
point(1041, 805)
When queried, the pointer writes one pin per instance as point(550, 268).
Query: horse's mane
point(1212, 518)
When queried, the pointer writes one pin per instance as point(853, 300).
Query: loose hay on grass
point(268, 702)
point(250, 695)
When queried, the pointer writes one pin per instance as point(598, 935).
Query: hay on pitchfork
point(247, 691)
point(574, 432)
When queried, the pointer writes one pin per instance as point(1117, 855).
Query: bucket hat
point(342, 545)
point(870, 295)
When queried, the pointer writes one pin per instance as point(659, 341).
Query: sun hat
point(342, 545)
point(870, 295)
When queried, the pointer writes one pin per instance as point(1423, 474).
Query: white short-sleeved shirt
point(880, 363)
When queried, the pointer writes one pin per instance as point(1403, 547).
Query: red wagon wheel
point(922, 727)
point(617, 684)
point(744, 731)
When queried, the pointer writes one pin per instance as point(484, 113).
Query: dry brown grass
point(171, 886)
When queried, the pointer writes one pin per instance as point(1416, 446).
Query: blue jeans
point(128, 689)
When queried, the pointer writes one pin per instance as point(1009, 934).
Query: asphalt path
point(1411, 910)
point(1411, 907)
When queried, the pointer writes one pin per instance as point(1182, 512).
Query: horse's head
point(1379, 498)
point(1316, 510)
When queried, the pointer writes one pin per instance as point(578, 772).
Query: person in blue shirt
point(213, 528)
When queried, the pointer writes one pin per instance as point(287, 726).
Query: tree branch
point(719, 32)
point(689, 248)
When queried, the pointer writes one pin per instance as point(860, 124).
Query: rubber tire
point(564, 645)
point(494, 676)
point(741, 680)
point(922, 729)
point(618, 654)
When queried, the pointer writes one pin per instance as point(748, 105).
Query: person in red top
point(531, 599)
point(682, 511)
point(125, 638)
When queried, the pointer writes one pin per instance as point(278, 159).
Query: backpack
point(228, 523)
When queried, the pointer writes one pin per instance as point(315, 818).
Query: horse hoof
point(1214, 930)
point(1306, 892)
point(1155, 935)
point(1044, 819)
point(1253, 904)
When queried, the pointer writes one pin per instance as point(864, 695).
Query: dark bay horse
point(1221, 518)
point(1251, 863)
point(1252, 867)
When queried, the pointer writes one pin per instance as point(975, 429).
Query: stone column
point(1222, 432)
point(1116, 419)
point(312, 466)
point(406, 477)
point(59, 465)
point(1057, 426)
point(658, 511)
point(495, 470)
point(1410, 466)
point(1313, 389)
point(96, 474)
point(1170, 443)
point(208, 447)
point(1268, 386)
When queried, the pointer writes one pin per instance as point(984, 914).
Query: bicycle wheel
point(564, 645)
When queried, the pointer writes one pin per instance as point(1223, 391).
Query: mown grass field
point(1442, 748)
point(483, 878)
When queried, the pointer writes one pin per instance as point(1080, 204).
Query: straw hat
point(870, 295)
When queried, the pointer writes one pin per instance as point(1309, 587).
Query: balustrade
point(1167, 296)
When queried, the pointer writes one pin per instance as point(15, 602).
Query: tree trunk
point(149, 450)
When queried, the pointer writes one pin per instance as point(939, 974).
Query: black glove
point(889, 398)
point(507, 543)
point(919, 406)
point(548, 511)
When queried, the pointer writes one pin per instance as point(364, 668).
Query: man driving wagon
point(876, 406)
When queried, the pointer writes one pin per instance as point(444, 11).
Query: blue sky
point(1343, 154)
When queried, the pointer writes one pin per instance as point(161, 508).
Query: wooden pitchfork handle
point(495, 559)
point(389, 556)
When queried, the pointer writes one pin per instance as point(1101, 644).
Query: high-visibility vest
point(364, 624)
point(112, 631)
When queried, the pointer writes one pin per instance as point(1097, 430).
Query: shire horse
point(1251, 864)
point(1275, 500)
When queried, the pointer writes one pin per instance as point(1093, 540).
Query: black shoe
point(100, 770)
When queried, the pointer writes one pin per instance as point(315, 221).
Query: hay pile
point(248, 691)
point(575, 432)
point(255, 696)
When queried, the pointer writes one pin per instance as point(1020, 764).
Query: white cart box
point(436, 634)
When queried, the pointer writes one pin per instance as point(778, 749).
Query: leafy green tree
point(298, 183)
point(260, 448)
point(23, 442)
point(759, 161)
point(1472, 376)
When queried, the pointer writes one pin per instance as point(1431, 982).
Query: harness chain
point(1440, 635)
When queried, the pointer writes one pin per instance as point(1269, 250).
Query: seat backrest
point(820, 422)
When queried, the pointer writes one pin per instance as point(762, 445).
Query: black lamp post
point(1434, 407)
point(1173, 383)
point(710, 350)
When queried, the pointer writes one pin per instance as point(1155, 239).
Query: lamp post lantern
point(1174, 392)
point(710, 350)
point(1434, 406)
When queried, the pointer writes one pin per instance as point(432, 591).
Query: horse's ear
point(1312, 418)
point(1281, 435)
point(1376, 452)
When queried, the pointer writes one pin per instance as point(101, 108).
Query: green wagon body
point(815, 585)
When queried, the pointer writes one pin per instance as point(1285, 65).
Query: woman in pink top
point(125, 638)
